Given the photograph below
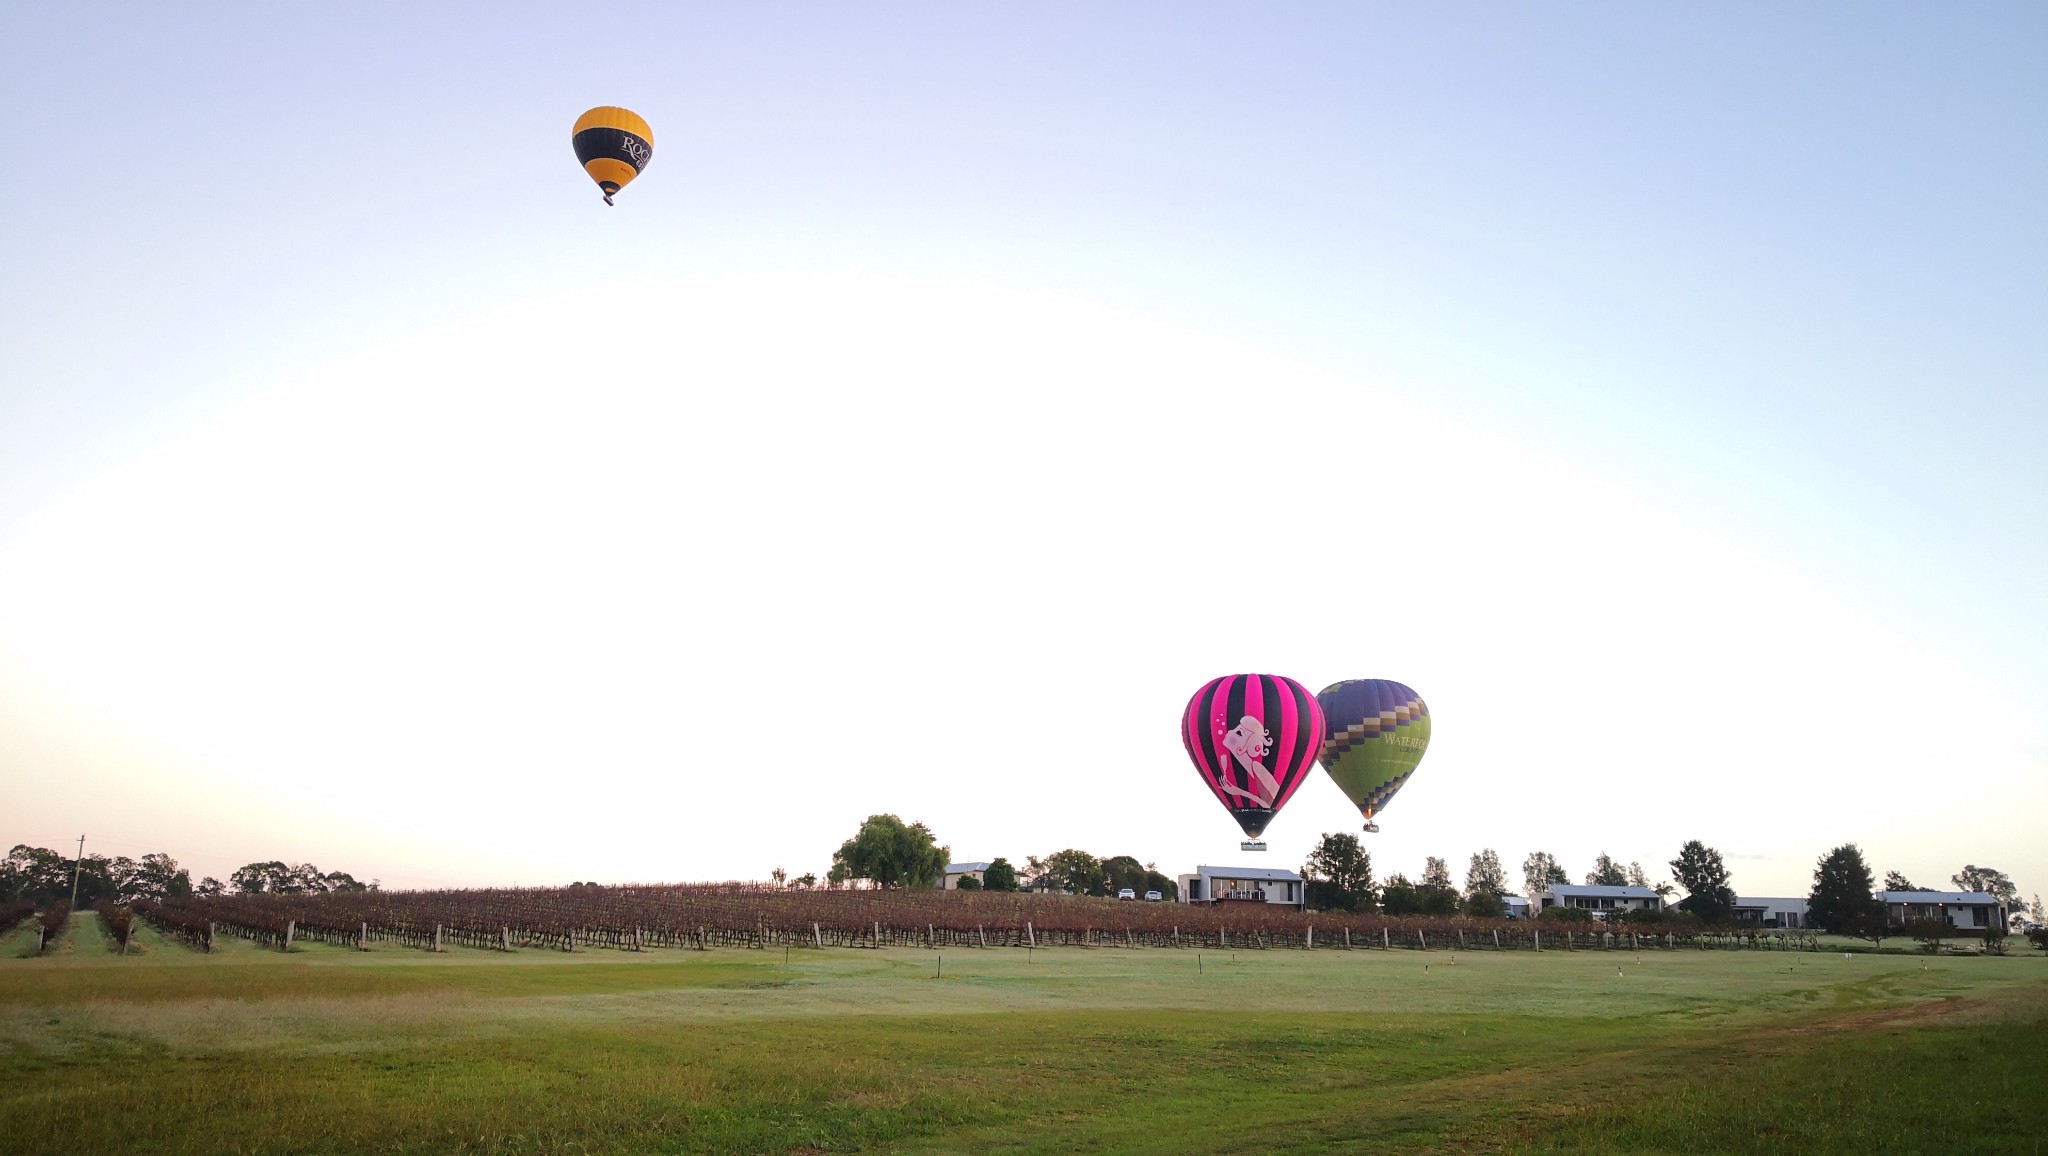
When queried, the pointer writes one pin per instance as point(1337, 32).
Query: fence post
point(1539, 938)
point(1386, 941)
point(290, 926)
point(817, 937)
point(878, 935)
point(1030, 937)
point(1311, 938)
point(1496, 939)
point(980, 935)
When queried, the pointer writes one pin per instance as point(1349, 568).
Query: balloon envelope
point(1253, 738)
point(1375, 732)
point(613, 145)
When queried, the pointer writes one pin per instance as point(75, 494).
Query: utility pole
point(76, 866)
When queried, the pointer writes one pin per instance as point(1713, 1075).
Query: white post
point(1386, 941)
point(1030, 937)
point(437, 937)
point(291, 925)
point(1311, 938)
point(981, 935)
point(1496, 939)
point(931, 938)
point(817, 937)
point(878, 935)
point(506, 934)
point(1347, 939)
point(1539, 938)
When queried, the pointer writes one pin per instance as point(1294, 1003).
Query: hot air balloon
point(1374, 735)
point(1253, 738)
point(613, 146)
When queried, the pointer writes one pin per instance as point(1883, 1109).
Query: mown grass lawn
point(327, 1050)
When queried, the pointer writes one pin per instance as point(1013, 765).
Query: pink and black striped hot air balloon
point(1253, 738)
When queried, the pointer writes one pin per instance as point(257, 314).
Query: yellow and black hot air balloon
point(614, 146)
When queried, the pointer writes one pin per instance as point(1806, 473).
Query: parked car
point(1153, 897)
point(1126, 893)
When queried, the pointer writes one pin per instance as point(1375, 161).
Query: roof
point(963, 868)
point(1963, 898)
point(1248, 873)
point(1603, 892)
point(1761, 901)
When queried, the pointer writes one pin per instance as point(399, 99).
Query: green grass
point(331, 1050)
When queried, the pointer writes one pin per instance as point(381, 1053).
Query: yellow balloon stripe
point(607, 116)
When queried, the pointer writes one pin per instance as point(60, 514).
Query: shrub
point(1566, 915)
point(1929, 932)
point(968, 883)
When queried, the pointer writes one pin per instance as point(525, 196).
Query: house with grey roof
point(1269, 885)
point(1601, 901)
point(1762, 912)
point(958, 871)
point(1969, 912)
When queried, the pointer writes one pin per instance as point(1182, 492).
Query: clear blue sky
point(1659, 391)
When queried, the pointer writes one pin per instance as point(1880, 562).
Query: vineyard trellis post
point(290, 926)
point(1030, 936)
point(817, 937)
point(1310, 945)
point(1386, 941)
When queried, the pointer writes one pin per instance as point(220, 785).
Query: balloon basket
point(1248, 845)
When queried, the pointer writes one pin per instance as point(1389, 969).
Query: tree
point(1435, 873)
point(807, 880)
point(1873, 924)
point(1893, 881)
point(968, 883)
point(158, 876)
point(36, 873)
point(1704, 876)
point(1157, 881)
point(1069, 870)
point(1485, 876)
point(1399, 896)
point(1121, 871)
point(1606, 873)
point(779, 877)
point(1338, 875)
point(1000, 876)
point(890, 853)
point(1540, 870)
point(1485, 905)
point(210, 886)
point(1841, 893)
point(1988, 881)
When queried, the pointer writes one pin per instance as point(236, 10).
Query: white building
point(1969, 912)
point(1770, 912)
point(1242, 885)
point(1601, 901)
point(958, 871)
point(1515, 906)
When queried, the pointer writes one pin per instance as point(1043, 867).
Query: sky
point(1658, 391)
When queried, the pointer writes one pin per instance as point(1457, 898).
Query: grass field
point(1106, 1050)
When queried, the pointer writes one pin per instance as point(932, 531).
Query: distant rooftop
point(1965, 898)
point(1602, 892)
point(964, 868)
point(1247, 873)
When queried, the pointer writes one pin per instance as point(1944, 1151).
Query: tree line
point(1339, 877)
point(887, 852)
point(43, 876)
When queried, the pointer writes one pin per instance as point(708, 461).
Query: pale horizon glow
point(668, 542)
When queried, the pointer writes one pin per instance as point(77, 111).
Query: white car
point(1126, 893)
point(1153, 897)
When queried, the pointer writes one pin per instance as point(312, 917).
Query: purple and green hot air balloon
point(1375, 732)
point(1253, 738)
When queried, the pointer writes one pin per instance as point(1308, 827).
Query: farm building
point(1601, 901)
point(957, 871)
point(1770, 912)
point(1969, 912)
point(1242, 885)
